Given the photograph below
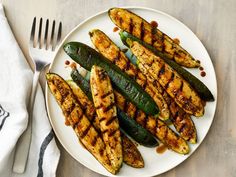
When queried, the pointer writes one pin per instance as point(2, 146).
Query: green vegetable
point(127, 124)
point(87, 57)
point(136, 131)
point(199, 87)
point(81, 82)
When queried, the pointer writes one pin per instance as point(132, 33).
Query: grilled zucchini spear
point(87, 57)
point(73, 113)
point(109, 50)
point(131, 154)
point(143, 30)
point(157, 127)
point(199, 87)
point(104, 103)
point(182, 121)
point(169, 79)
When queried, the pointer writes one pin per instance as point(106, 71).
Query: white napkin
point(15, 86)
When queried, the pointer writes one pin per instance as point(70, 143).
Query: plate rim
point(47, 92)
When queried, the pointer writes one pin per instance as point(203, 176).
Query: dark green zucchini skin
point(136, 131)
point(127, 124)
point(87, 57)
point(81, 82)
point(196, 84)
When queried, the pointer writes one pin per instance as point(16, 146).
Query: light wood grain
point(213, 21)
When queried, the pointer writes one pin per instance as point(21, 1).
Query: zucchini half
point(140, 28)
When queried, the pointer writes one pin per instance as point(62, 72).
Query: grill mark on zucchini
point(121, 20)
point(94, 141)
point(161, 71)
point(142, 31)
point(102, 119)
point(86, 131)
point(172, 78)
point(127, 66)
point(106, 94)
point(111, 120)
point(163, 45)
point(80, 116)
point(181, 86)
point(131, 26)
point(145, 85)
point(111, 133)
point(61, 90)
point(75, 125)
point(105, 131)
point(100, 106)
point(101, 151)
point(108, 108)
point(117, 58)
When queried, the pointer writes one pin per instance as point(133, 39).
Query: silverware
point(42, 50)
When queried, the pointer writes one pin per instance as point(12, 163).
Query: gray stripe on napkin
point(43, 147)
point(3, 116)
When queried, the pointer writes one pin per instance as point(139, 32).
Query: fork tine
point(39, 34)
point(52, 35)
point(59, 33)
point(46, 34)
point(32, 34)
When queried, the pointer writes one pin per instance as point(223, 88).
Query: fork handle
point(23, 144)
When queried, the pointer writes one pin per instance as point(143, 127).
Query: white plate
point(154, 163)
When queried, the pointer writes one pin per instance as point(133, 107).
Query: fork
point(41, 49)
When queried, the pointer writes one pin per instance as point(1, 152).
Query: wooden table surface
point(213, 21)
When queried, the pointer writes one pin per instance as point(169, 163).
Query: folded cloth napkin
point(15, 86)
